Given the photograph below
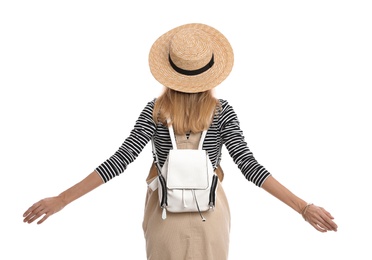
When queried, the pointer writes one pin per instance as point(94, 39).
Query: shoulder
point(225, 113)
point(225, 106)
point(151, 103)
point(147, 110)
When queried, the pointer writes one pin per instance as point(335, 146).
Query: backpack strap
point(173, 139)
point(204, 133)
point(156, 161)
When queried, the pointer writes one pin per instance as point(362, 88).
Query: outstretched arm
point(318, 217)
point(49, 206)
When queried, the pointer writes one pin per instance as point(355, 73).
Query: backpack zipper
point(163, 202)
point(212, 194)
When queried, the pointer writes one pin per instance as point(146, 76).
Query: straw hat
point(191, 58)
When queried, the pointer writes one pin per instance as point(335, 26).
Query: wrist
point(304, 210)
point(63, 198)
point(300, 206)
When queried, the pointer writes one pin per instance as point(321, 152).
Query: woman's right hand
point(319, 218)
point(46, 207)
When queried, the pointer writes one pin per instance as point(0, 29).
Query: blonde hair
point(188, 112)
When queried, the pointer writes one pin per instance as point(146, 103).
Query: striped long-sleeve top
point(224, 130)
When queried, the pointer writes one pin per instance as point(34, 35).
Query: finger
point(43, 219)
point(321, 220)
point(25, 214)
point(29, 216)
point(316, 221)
point(327, 213)
point(31, 209)
point(324, 226)
point(319, 228)
point(32, 217)
point(331, 223)
point(327, 220)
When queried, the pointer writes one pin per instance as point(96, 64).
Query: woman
point(190, 61)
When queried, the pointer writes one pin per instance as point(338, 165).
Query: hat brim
point(167, 76)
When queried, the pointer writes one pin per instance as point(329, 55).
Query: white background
point(74, 77)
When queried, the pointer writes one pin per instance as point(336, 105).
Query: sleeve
point(237, 147)
point(132, 146)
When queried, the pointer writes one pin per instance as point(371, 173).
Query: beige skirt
point(184, 235)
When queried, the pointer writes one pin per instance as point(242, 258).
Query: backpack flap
point(188, 169)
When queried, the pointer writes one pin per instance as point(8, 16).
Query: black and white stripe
point(224, 130)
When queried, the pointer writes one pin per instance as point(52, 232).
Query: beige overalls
point(184, 236)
